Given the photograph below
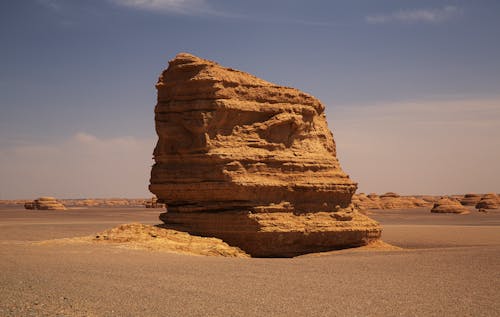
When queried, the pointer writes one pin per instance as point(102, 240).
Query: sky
point(411, 88)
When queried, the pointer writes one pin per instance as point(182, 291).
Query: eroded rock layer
point(234, 149)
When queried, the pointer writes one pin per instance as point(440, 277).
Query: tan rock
point(448, 205)
point(45, 203)
point(470, 199)
point(141, 236)
point(392, 200)
point(489, 201)
point(234, 149)
point(363, 202)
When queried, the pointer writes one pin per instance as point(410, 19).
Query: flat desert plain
point(449, 265)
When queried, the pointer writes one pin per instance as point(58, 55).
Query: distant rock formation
point(45, 203)
point(448, 205)
point(388, 201)
point(153, 203)
point(470, 199)
point(489, 201)
point(364, 202)
point(250, 162)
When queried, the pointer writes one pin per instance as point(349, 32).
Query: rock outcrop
point(388, 201)
point(250, 162)
point(470, 199)
point(489, 201)
point(140, 236)
point(153, 203)
point(448, 205)
point(364, 202)
point(45, 203)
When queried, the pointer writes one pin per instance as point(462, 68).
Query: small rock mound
point(45, 203)
point(447, 205)
point(470, 199)
point(388, 200)
point(489, 201)
point(136, 235)
point(390, 195)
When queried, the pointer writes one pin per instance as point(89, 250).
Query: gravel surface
point(450, 267)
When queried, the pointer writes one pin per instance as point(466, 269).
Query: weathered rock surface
point(250, 162)
point(364, 202)
point(448, 205)
point(45, 203)
point(388, 201)
point(142, 236)
point(470, 199)
point(489, 201)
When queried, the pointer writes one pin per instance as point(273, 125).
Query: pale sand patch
point(146, 237)
point(378, 245)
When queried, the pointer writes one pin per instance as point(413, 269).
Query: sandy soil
point(450, 266)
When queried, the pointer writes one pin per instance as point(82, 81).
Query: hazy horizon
point(411, 89)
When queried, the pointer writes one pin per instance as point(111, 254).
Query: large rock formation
point(250, 162)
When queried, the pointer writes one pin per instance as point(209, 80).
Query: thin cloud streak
point(203, 8)
point(180, 7)
point(51, 4)
point(416, 16)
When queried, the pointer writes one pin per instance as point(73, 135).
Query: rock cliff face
point(250, 162)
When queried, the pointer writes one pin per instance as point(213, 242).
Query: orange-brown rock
point(45, 203)
point(395, 201)
point(250, 162)
point(470, 199)
point(140, 236)
point(364, 202)
point(489, 201)
point(388, 201)
point(449, 205)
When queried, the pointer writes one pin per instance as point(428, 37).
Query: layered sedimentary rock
point(388, 201)
point(364, 202)
point(489, 201)
point(45, 203)
point(470, 199)
point(250, 162)
point(449, 205)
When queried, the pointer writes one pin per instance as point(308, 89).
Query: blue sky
point(412, 88)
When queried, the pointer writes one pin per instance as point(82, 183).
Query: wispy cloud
point(51, 4)
point(184, 7)
point(204, 8)
point(435, 15)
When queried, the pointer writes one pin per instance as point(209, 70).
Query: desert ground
point(449, 265)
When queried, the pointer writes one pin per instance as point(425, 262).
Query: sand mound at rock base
point(377, 245)
point(146, 237)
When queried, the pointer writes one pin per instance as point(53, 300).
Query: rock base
point(280, 234)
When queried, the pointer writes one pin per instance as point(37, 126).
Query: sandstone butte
point(251, 163)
